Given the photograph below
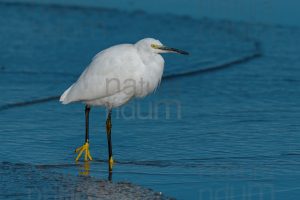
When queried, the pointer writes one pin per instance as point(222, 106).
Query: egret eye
point(92, 87)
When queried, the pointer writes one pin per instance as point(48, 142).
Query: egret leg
point(108, 132)
point(85, 147)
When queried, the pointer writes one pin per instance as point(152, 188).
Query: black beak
point(173, 50)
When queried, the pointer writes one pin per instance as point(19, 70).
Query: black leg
point(85, 147)
point(87, 112)
point(109, 143)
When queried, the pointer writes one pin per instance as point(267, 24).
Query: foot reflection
point(84, 169)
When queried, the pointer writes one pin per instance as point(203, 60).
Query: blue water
point(253, 11)
point(230, 133)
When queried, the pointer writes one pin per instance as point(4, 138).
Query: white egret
point(115, 76)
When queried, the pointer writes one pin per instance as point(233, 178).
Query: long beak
point(164, 48)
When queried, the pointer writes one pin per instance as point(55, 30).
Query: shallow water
point(230, 134)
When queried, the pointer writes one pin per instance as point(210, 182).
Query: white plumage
point(118, 74)
point(115, 76)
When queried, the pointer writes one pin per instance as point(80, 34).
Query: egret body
point(115, 76)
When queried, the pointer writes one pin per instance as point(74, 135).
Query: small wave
point(216, 67)
point(28, 103)
point(195, 71)
point(184, 163)
point(30, 72)
point(50, 4)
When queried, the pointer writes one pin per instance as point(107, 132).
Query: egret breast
point(152, 73)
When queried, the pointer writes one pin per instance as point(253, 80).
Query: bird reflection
point(84, 170)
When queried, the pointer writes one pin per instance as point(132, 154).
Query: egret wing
point(106, 74)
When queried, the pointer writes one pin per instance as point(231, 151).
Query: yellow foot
point(81, 149)
point(111, 163)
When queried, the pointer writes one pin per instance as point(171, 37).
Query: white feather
point(108, 77)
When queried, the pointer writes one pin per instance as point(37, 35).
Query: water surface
point(230, 134)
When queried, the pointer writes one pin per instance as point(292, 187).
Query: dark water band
point(216, 67)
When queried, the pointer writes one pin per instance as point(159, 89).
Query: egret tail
point(64, 97)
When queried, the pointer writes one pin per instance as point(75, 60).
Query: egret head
point(155, 46)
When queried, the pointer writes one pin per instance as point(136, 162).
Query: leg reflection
point(109, 175)
point(84, 170)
